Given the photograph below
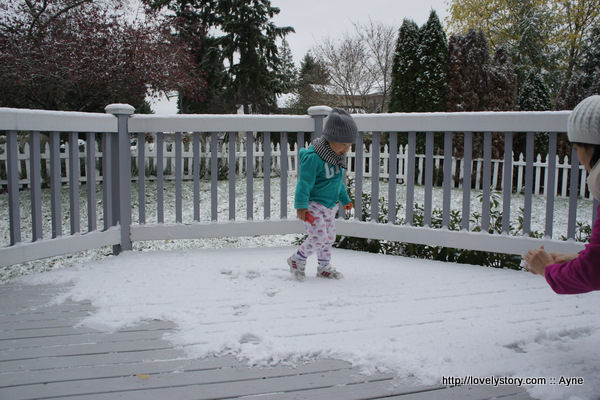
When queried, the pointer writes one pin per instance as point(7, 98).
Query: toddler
point(319, 189)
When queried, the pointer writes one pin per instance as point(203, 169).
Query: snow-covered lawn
point(422, 320)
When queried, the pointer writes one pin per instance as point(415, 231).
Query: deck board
point(44, 354)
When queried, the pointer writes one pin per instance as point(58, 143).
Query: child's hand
point(308, 217)
point(301, 213)
point(348, 206)
point(304, 215)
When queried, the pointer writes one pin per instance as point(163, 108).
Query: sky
point(418, 319)
point(315, 20)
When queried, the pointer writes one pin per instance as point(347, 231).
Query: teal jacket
point(319, 181)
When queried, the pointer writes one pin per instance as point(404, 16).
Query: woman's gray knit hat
point(584, 122)
point(340, 127)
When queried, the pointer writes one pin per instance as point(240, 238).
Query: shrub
point(439, 253)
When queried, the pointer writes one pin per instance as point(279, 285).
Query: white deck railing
point(111, 163)
point(540, 166)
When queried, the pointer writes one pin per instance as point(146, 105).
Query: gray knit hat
point(584, 122)
point(340, 127)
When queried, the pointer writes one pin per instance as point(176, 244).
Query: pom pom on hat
point(584, 122)
point(340, 127)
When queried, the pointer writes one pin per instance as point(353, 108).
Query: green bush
point(440, 253)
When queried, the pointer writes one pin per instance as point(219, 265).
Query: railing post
point(122, 189)
point(12, 164)
point(318, 113)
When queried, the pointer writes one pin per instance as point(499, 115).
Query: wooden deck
point(45, 355)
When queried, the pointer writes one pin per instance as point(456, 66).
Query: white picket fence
point(562, 171)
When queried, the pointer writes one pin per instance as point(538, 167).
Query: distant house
point(369, 102)
point(332, 96)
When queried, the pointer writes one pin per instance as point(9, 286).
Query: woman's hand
point(537, 260)
point(560, 258)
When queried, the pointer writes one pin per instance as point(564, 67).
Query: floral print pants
point(321, 234)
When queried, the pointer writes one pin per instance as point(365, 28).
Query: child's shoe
point(329, 272)
point(297, 266)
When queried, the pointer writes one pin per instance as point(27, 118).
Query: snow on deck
point(418, 320)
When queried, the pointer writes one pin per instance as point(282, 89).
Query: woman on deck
point(577, 273)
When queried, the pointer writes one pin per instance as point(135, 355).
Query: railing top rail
point(220, 123)
point(60, 121)
point(68, 121)
point(501, 121)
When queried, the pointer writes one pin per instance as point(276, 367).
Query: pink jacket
point(582, 274)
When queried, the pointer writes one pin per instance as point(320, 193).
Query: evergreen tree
point(311, 74)
point(575, 91)
point(210, 63)
point(403, 93)
point(531, 21)
point(586, 80)
point(241, 62)
point(534, 95)
point(591, 63)
point(546, 33)
point(287, 74)
point(595, 87)
point(249, 46)
point(191, 20)
point(477, 84)
point(432, 77)
point(468, 78)
point(502, 82)
point(502, 93)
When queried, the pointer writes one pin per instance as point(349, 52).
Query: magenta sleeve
point(582, 274)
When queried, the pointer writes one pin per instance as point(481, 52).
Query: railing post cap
point(319, 110)
point(119, 109)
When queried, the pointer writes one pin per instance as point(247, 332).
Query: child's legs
point(324, 252)
point(319, 233)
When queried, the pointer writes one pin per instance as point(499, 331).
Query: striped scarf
point(321, 146)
